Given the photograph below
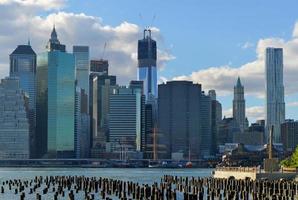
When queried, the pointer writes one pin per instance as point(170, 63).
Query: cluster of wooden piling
point(232, 189)
point(167, 188)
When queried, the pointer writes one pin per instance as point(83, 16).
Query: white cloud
point(247, 45)
point(41, 4)
point(20, 21)
point(223, 78)
point(253, 113)
point(292, 104)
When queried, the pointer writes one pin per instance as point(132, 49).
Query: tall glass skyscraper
point(275, 104)
point(23, 66)
point(56, 100)
point(61, 103)
point(147, 54)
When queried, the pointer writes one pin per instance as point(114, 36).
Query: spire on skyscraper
point(238, 82)
point(54, 43)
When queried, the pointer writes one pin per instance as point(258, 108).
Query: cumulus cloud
point(41, 4)
point(223, 78)
point(21, 20)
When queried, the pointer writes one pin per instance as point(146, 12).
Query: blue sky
point(212, 41)
point(201, 34)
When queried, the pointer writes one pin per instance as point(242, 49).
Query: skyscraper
point(147, 54)
point(14, 121)
point(54, 43)
point(105, 82)
point(216, 117)
point(206, 131)
point(23, 66)
point(275, 104)
point(179, 117)
point(56, 99)
point(126, 115)
point(239, 105)
point(61, 103)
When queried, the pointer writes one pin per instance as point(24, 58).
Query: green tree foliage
point(291, 161)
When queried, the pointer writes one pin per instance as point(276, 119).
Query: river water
point(140, 175)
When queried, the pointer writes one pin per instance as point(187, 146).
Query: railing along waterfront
point(239, 169)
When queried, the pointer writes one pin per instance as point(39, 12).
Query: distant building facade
point(126, 118)
point(216, 117)
point(206, 123)
point(14, 120)
point(23, 66)
point(227, 128)
point(275, 104)
point(179, 118)
point(289, 135)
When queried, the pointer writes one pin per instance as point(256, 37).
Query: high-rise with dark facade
point(216, 117)
point(179, 117)
point(23, 66)
point(275, 104)
point(206, 123)
point(100, 66)
point(289, 135)
point(147, 72)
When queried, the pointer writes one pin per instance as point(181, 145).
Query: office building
point(206, 129)
point(61, 104)
point(227, 128)
point(147, 72)
point(216, 117)
point(275, 104)
point(179, 118)
point(239, 105)
point(23, 66)
point(126, 117)
point(14, 120)
point(105, 83)
point(56, 100)
point(289, 135)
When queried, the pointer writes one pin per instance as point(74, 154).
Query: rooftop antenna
point(152, 21)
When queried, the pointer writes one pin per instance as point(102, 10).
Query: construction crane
point(103, 51)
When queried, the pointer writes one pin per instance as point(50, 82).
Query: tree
point(292, 161)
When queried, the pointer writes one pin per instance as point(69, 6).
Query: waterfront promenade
point(254, 173)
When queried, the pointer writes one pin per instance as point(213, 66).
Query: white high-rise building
point(239, 105)
point(275, 104)
point(14, 120)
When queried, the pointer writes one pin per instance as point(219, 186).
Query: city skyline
point(249, 65)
